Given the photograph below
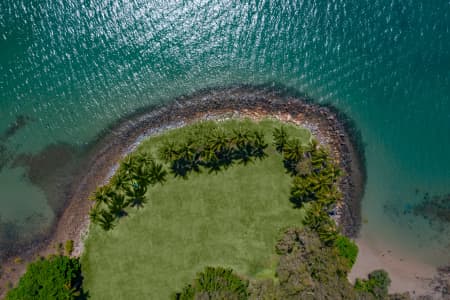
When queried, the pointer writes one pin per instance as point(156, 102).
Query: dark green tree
point(117, 205)
point(121, 179)
point(294, 150)
point(168, 152)
point(242, 150)
point(55, 278)
point(94, 213)
point(136, 195)
point(309, 269)
point(102, 194)
point(127, 166)
point(218, 141)
point(319, 221)
point(259, 145)
point(215, 283)
point(280, 138)
point(377, 284)
point(187, 160)
point(157, 173)
point(319, 157)
point(304, 189)
point(106, 220)
point(293, 153)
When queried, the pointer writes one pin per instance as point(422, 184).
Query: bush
point(58, 277)
point(377, 284)
point(18, 260)
point(308, 269)
point(347, 249)
point(215, 283)
point(69, 247)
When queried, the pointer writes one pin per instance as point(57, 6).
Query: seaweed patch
point(20, 122)
point(51, 170)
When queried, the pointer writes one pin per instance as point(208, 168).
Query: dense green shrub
point(309, 269)
point(377, 284)
point(346, 249)
point(215, 283)
point(55, 278)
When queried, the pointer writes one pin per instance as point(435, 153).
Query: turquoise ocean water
point(68, 69)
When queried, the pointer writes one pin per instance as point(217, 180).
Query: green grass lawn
point(230, 219)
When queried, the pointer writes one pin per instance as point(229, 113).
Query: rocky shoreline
point(328, 125)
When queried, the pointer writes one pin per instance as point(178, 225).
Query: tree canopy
point(54, 278)
point(215, 283)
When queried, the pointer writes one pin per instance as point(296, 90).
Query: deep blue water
point(70, 68)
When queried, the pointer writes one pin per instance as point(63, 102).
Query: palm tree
point(102, 194)
point(121, 179)
point(314, 215)
point(332, 171)
point(280, 138)
point(94, 214)
point(293, 150)
point(327, 177)
point(293, 153)
point(327, 231)
point(215, 149)
point(187, 160)
point(146, 160)
point(240, 137)
point(142, 174)
point(319, 221)
point(328, 197)
point(301, 191)
point(218, 141)
point(106, 220)
point(168, 152)
point(241, 140)
point(319, 157)
point(117, 205)
point(259, 145)
point(224, 147)
point(137, 196)
point(128, 163)
point(208, 155)
point(188, 150)
point(157, 173)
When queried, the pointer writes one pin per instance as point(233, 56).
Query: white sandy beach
point(406, 273)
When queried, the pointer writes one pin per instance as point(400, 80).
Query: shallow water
point(74, 67)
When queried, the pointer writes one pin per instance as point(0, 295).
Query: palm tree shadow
point(84, 295)
point(296, 202)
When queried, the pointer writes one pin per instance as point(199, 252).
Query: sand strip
point(406, 274)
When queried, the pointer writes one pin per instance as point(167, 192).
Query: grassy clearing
point(231, 219)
